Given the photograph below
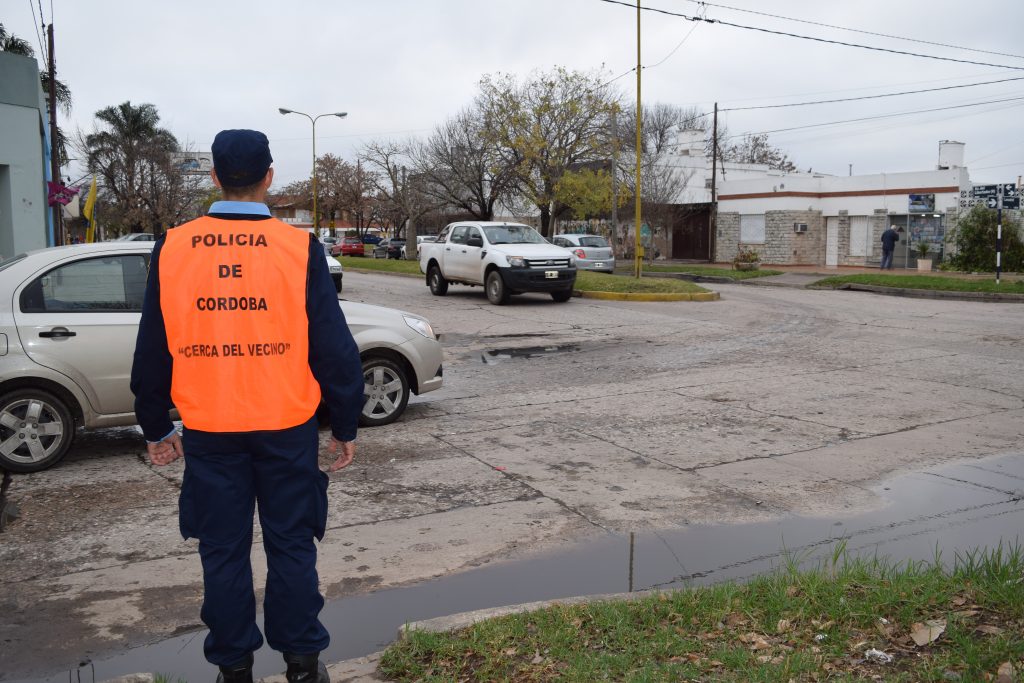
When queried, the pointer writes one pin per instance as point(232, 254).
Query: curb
point(990, 297)
point(651, 296)
point(454, 622)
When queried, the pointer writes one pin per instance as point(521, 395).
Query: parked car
point(337, 272)
point(592, 252)
point(349, 246)
point(370, 238)
point(420, 239)
point(68, 321)
point(390, 248)
point(329, 243)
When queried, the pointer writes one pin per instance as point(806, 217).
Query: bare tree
point(401, 195)
point(460, 169)
point(546, 125)
point(755, 149)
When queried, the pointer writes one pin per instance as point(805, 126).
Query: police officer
point(241, 332)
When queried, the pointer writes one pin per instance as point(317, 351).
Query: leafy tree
point(401, 195)
point(975, 240)
point(755, 149)
point(545, 126)
point(18, 46)
point(587, 193)
point(142, 186)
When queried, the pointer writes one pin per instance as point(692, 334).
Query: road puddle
point(498, 355)
point(954, 508)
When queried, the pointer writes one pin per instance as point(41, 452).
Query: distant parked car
point(68, 320)
point(420, 239)
point(349, 246)
point(390, 248)
point(592, 252)
point(369, 238)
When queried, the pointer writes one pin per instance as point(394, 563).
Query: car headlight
point(516, 261)
point(420, 325)
point(572, 261)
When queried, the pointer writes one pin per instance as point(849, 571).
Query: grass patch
point(934, 282)
point(603, 282)
point(713, 271)
point(383, 265)
point(585, 281)
point(789, 626)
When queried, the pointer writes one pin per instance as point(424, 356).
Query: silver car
point(592, 252)
point(68, 322)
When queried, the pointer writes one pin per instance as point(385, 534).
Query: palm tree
point(131, 153)
point(18, 46)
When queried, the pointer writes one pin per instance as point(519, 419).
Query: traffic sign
point(985, 191)
point(992, 202)
point(1010, 190)
point(1011, 202)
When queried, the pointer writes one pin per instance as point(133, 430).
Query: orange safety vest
point(233, 296)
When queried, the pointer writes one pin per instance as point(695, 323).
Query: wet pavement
point(952, 509)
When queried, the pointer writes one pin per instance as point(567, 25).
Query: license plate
point(551, 274)
point(599, 265)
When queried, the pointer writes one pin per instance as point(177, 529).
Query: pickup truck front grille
point(547, 263)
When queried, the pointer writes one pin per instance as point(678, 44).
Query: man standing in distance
point(889, 239)
point(241, 331)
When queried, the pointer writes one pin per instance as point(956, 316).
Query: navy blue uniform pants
point(226, 476)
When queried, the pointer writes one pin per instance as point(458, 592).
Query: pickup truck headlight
point(516, 261)
point(572, 261)
point(420, 325)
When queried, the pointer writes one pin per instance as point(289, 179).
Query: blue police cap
point(241, 157)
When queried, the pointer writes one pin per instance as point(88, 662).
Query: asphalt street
point(557, 422)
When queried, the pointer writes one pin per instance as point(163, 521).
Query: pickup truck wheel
point(438, 285)
point(497, 293)
point(563, 296)
point(36, 430)
point(385, 392)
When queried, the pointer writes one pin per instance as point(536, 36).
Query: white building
point(838, 220)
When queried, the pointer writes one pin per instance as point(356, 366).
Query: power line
point(880, 116)
point(813, 38)
point(676, 48)
point(856, 30)
point(39, 38)
point(872, 97)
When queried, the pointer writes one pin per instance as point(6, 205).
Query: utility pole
point(714, 198)
point(999, 234)
point(615, 174)
point(637, 255)
point(58, 228)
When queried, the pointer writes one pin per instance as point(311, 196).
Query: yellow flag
point(90, 207)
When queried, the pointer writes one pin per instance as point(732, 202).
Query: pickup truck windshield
point(513, 234)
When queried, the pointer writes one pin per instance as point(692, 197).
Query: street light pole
point(313, 120)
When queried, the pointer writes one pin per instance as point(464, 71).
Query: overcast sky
point(399, 67)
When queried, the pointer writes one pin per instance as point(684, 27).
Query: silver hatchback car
point(592, 252)
point(68, 321)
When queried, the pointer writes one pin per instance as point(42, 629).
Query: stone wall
point(728, 236)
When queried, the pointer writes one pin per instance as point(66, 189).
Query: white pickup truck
point(505, 258)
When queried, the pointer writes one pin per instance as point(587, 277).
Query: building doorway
point(691, 232)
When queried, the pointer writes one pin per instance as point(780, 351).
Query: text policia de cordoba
point(231, 303)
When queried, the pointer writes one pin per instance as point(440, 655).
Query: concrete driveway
point(558, 422)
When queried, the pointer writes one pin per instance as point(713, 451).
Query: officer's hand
point(167, 451)
point(345, 451)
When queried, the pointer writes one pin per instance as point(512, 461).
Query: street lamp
point(313, 119)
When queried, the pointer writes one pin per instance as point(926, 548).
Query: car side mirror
point(475, 241)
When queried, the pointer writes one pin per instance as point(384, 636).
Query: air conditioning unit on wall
point(799, 227)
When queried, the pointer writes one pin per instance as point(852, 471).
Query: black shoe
point(240, 672)
point(305, 669)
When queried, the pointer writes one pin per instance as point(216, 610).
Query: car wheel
point(497, 293)
point(36, 430)
point(385, 392)
point(563, 296)
point(438, 285)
